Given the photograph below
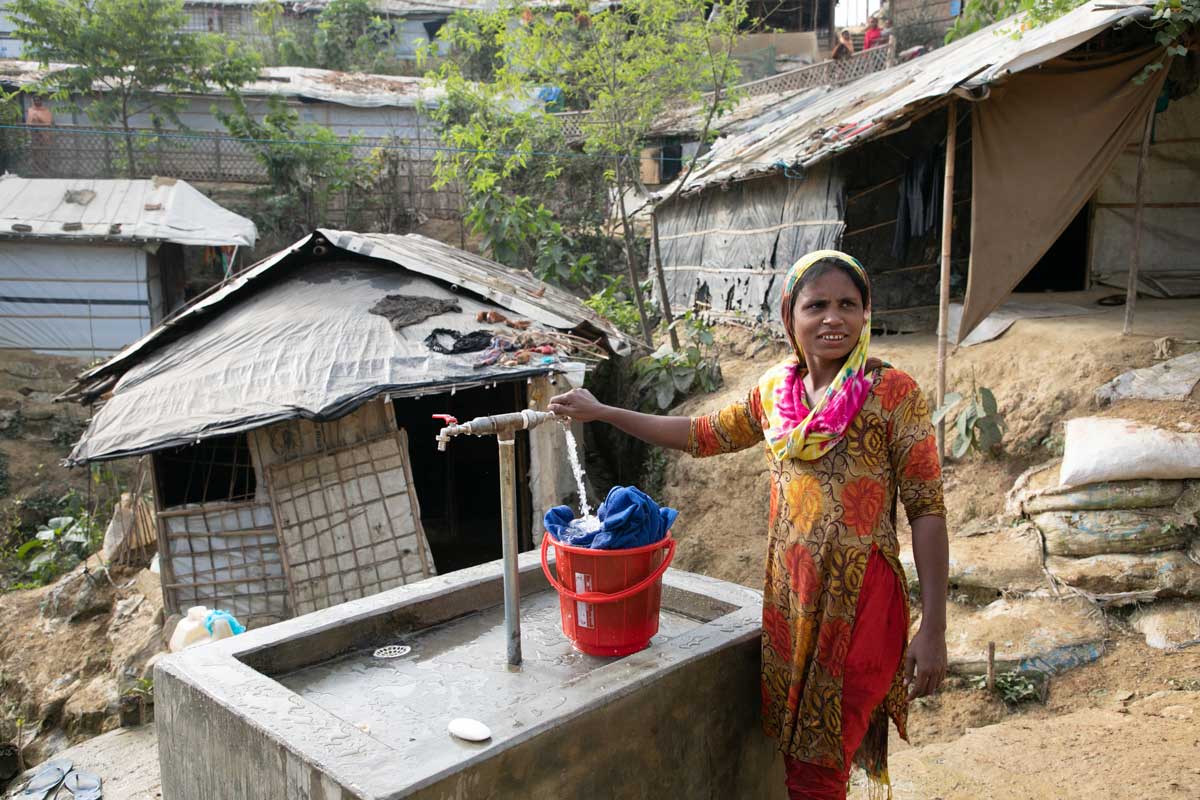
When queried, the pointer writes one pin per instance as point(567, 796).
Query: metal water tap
point(504, 428)
point(500, 425)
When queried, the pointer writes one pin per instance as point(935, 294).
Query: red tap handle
point(446, 418)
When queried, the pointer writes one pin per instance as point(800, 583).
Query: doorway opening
point(1064, 268)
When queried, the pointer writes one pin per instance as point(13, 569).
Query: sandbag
point(1037, 490)
point(1099, 449)
point(1107, 577)
point(1092, 533)
point(985, 566)
point(1170, 625)
point(1032, 634)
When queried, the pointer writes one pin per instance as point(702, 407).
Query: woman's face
point(828, 317)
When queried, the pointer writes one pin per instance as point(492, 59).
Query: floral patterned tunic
point(825, 517)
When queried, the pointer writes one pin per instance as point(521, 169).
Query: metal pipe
point(504, 428)
point(509, 546)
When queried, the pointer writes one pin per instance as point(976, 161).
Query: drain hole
point(393, 651)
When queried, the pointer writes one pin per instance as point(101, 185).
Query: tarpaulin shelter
point(1048, 114)
point(288, 415)
point(90, 265)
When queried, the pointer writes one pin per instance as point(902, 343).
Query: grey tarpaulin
point(305, 347)
point(732, 248)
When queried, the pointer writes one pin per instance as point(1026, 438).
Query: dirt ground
point(1042, 372)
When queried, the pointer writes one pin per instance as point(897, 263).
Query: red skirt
point(876, 642)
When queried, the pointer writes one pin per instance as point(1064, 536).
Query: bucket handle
point(603, 597)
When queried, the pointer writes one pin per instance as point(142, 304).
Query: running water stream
point(585, 521)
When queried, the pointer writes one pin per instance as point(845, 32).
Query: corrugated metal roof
point(814, 125)
point(357, 89)
point(512, 289)
point(158, 210)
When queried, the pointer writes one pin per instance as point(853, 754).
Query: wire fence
point(76, 152)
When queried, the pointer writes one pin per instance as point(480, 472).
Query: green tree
point(352, 36)
point(129, 55)
point(624, 65)
point(307, 165)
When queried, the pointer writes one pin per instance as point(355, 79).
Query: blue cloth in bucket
point(628, 517)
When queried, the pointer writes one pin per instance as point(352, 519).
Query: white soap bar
point(472, 730)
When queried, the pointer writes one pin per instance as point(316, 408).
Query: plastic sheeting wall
point(731, 248)
point(82, 300)
point(1171, 220)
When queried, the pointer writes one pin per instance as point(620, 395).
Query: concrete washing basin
point(303, 709)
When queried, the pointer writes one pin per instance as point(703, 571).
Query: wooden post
point(944, 281)
point(662, 281)
point(991, 668)
point(1135, 263)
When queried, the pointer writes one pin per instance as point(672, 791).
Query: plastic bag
point(1099, 449)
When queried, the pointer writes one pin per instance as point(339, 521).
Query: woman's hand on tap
point(578, 404)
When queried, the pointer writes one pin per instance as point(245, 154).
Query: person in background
point(847, 438)
point(873, 34)
point(41, 142)
point(844, 48)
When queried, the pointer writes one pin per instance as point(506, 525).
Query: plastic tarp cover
point(1040, 146)
point(1171, 220)
point(305, 347)
point(731, 249)
point(81, 300)
point(145, 210)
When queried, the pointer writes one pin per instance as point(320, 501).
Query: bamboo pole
point(944, 280)
point(663, 298)
point(1135, 263)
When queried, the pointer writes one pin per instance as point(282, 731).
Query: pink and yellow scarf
point(793, 430)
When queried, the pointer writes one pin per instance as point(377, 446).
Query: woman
point(846, 437)
point(844, 47)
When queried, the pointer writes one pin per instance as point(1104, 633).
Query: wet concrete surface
point(458, 669)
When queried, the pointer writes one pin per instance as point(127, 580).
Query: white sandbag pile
point(1118, 518)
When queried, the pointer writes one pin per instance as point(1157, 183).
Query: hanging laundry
point(919, 205)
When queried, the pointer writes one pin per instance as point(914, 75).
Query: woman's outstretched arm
point(663, 431)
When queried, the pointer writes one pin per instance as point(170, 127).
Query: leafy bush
point(1014, 688)
point(613, 303)
point(667, 374)
point(978, 426)
point(59, 544)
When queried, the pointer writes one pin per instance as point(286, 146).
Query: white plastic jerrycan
point(190, 630)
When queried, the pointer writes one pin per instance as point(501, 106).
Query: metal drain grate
point(393, 651)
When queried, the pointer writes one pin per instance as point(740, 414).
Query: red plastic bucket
point(613, 608)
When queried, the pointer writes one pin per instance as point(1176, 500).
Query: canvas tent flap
point(1040, 146)
point(306, 348)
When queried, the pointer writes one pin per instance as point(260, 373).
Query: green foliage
point(666, 375)
point(979, 425)
point(612, 302)
point(348, 35)
point(134, 49)
point(1176, 25)
point(624, 65)
point(978, 14)
point(501, 159)
point(1014, 688)
point(307, 165)
point(60, 543)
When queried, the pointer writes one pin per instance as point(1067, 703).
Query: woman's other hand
point(925, 663)
point(578, 404)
